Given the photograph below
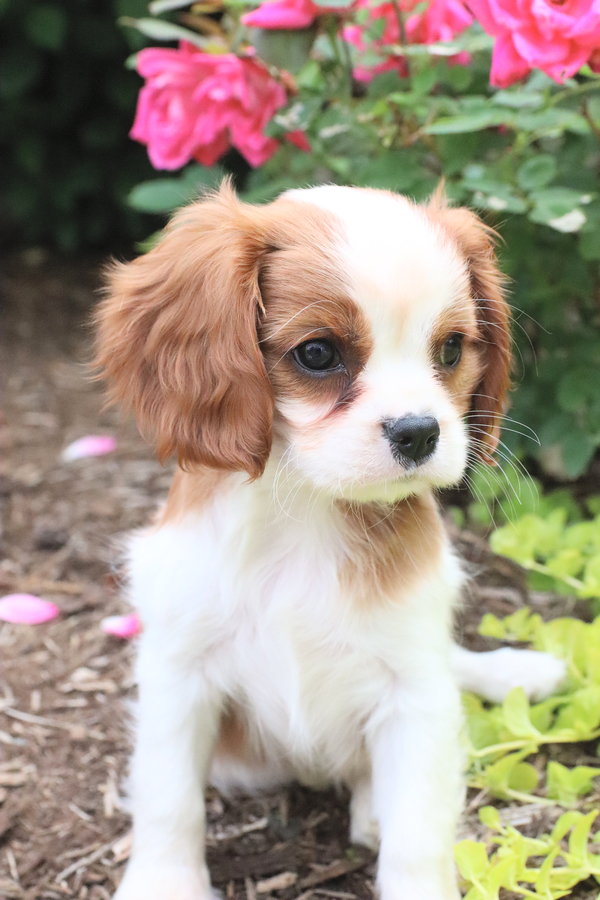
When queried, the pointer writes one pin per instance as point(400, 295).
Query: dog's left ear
point(476, 242)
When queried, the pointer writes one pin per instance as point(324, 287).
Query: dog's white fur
point(244, 607)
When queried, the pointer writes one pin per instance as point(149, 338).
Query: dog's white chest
point(259, 607)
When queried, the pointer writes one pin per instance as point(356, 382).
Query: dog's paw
point(425, 888)
point(150, 882)
point(539, 674)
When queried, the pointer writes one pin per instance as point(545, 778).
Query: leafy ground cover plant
point(509, 865)
point(502, 737)
point(504, 744)
point(557, 545)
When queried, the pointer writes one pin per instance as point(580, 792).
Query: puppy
point(319, 366)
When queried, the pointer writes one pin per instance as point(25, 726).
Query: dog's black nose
point(412, 437)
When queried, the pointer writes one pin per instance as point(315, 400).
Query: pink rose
point(441, 21)
point(556, 36)
point(284, 14)
point(196, 105)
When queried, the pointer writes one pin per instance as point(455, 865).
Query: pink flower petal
point(298, 139)
point(26, 609)
point(92, 445)
point(122, 626)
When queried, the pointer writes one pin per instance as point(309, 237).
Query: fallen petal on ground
point(122, 626)
point(92, 445)
point(26, 609)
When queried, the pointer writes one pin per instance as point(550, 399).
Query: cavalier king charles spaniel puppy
point(319, 366)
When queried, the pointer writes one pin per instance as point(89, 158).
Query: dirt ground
point(65, 686)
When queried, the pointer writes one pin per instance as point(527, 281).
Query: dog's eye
point(317, 355)
point(451, 351)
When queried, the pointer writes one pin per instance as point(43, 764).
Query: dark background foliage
point(67, 107)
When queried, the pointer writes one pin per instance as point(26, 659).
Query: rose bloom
point(284, 14)
point(556, 36)
point(441, 21)
point(196, 105)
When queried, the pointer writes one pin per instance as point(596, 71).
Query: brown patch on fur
point(190, 492)
point(390, 546)
point(460, 381)
point(475, 241)
point(306, 297)
point(234, 742)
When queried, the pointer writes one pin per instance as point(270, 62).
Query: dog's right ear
point(177, 339)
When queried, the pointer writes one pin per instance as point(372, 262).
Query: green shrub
point(67, 107)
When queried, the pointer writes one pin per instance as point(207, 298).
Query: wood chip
point(217, 834)
point(44, 586)
point(78, 732)
point(342, 895)
point(83, 863)
point(80, 812)
point(107, 685)
point(80, 851)
point(121, 848)
point(12, 865)
point(17, 762)
point(334, 870)
point(111, 799)
point(13, 779)
point(250, 889)
point(276, 882)
point(10, 889)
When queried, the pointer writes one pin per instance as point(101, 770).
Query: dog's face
point(363, 338)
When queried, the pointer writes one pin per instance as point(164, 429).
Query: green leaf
point(396, 170)
point(577, 449)
point(517, 715)
point(553, 205)
point(578, 839)
point(160, 6)
point(477, 121)
point(568, 562)
point(537, 172)
point(166, 194)
point(591, 577)
point(517, 98)
point(160, 30)
point(284, 48)
point(490, 816)
point(506, 774)
point(338, 4)
point(523, 778)
point(567, 785)
point(471, 859)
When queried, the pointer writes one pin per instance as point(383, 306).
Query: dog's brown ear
point(476, 242)
point(177, 339)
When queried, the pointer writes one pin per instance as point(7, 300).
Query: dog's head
point(363, 335)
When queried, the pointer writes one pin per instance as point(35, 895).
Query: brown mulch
point(65, 686)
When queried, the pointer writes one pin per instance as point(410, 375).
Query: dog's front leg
point(417, 789)
point(178, 718)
